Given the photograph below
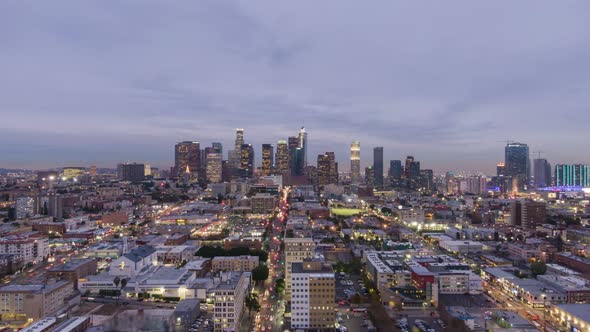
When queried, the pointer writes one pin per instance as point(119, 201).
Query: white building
point(25, 207)
point(462, 246)
point(296, 250)
point(31, 248)
point(229, 297)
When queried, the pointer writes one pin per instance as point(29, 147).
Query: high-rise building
point(409, 161)
point(517, 164)
point(370, 176)
point(413, 171)
point(395, 169)
point(234, 156)
point(427, 180)
point(247, 161)
point(214, 167)
point(542, 173)
point(528, 213)
point(147, 171)
point(282, 157)
point(132, 172)
point(296, 157)
point(303, 145)
point(311, 172)
point(267, 159)
point(500, 169)
point(239, 138)
point(327, 169)
point(296, 250)
point(575, 175)
point(218, 148)
point(378, 166)
point(187, 153)
point(314, 295)
point(355, 162)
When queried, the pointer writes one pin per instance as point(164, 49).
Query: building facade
point(313, 296)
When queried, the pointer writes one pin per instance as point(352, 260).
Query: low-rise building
point(32, 248)
point(234, 263)
point(263, 203)
point(73, 270)
point(575, 316)
point(462, 246)
point(133, 262)
point(186, 312)
point(34, 301)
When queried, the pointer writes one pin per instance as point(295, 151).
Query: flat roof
point(581, 311)
point(71, 265)
point(187, 305)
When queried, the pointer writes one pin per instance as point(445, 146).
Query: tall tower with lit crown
point(355, 162)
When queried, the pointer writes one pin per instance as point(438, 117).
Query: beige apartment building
point(234, 263)
point(32, 302)
point(313, 294)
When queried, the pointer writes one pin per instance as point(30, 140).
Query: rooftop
point(71, 265)
point(187, 305)
point(139, 253)
point(581, 311)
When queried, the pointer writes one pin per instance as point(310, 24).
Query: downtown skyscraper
point(542, 173)
point(327, 172)
point(378, 166)
point(303, 144)
point(246, 161)
point(282, 157)
point(576, 175)
point(267, 159)
point(517, 164)
point(187, 157)
point(355, 162)
point(234, 156)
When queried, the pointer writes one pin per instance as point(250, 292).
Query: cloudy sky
point(98, 82)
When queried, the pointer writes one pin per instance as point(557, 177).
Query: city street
point(272, 307)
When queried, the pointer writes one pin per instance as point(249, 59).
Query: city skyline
point(445, 92)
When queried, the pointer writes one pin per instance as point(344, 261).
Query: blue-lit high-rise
point(572, 175)
point(517, 164)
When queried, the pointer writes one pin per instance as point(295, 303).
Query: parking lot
point(347, 285)
point(425, 324)
point(352, 322)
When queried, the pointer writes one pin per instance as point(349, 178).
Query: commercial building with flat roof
point(575, 316)
point(33, 301)
point(234, 263)
point(73, 270)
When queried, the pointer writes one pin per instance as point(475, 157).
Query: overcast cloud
point(97, 82)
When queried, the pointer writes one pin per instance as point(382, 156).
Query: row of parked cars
point(205, 322)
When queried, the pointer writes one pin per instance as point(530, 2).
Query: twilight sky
point(98, 82)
